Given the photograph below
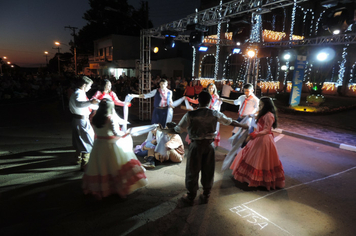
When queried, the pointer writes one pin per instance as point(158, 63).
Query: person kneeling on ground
point(173, 149)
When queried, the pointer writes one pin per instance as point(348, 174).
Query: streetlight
point(58, 48)
point(75, 53)
point(46, 55)
point(322, 69)
point(251, 53)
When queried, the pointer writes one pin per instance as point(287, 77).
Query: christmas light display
point(217, 53)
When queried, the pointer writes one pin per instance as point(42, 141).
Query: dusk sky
point(28, 28)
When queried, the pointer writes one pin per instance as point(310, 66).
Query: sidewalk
point(336, 129)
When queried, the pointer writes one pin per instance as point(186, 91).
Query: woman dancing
point(258, 162)
point(113, 167)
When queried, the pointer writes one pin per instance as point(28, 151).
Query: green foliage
point(108, 17)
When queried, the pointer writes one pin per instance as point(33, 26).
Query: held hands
point(94, 101)
point(128, 132)
point(135, 95)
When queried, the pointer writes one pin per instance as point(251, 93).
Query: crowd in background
point(42, 86)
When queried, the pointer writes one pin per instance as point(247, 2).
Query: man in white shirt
point(248, 103)
point(82, 131)
point(225, 93)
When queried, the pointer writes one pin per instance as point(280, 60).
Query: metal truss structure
point(214, 16)
point(341, 39)
point(223, 13)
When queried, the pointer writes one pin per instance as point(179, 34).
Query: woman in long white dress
point(113, 167)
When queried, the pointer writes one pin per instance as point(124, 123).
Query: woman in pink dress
point(258, 162)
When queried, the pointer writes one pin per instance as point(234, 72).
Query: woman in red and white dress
point(106, 92)
point(215, 105)
point(258, 162)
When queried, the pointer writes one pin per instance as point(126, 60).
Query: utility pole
point(59, 65)
point(74, 46)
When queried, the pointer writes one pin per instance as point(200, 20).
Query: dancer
point(167, 147)
point(258, 162)
point(214, 105)
point(113, 167)
point(106, 92)
point(82, 131)
point(248, 104)
point(163, 103)
point(201, 127)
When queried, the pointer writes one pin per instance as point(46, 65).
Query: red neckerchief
point(243, 106)
point(163, 97)
point(213, 98)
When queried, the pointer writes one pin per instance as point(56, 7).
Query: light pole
point(2, 62)
point(46, 55)
point(251, 54)
point(74, 45)
point(58, 48)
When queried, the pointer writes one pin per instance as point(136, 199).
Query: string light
point(293, 20)
point(342, 66)
point(193, 63)
point(226, 65)
point(318, 22)
point(217, 53)
point(201, 62)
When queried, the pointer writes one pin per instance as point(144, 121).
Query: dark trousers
point(201, 158)
point(223, 105)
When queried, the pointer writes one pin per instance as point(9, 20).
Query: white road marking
point(239, 209)
point(276, 139)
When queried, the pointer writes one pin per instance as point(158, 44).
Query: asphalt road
point(40, 190)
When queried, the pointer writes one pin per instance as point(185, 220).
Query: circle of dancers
point(105, 152)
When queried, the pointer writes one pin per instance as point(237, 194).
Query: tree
point(110, 17)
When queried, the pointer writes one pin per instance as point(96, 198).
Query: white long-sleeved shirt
point(251, 106)
point(79, 103)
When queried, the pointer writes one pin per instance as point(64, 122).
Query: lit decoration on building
point(206, 82)
point(213, 39)
point(270, 86)
point(289, 86)
point(269, 35)
point(329, 86)
point(352, 87)
point(228, 35)
point(297, 37)
point(273, 35)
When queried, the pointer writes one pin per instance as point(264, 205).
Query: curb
point(317, 140)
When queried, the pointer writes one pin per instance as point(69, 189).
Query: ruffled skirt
point(258, 164)
point(113, 169)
